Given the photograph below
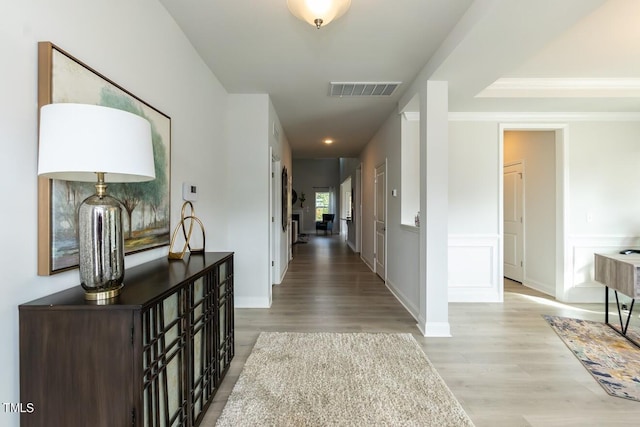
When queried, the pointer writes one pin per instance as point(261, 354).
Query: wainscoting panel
point(579, 283)
point(474, 268)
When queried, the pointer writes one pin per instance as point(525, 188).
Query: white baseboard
point(585, 295)
point(435, 329)
point(475, 295)
point(251, 302)
point(406, 303)
point(284, 273)
point(539, 286)
point(367, 262)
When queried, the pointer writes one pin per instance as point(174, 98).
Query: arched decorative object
point(187, 234)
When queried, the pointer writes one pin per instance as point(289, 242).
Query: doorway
point(535, 255)
point(346, 205)
point(275, 207)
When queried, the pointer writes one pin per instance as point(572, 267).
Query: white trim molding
point(403, 299)
point(545, 288)
point(562, 88)
point(434, 329)
point(367, 262)
point(412, 116)
point(410, 228)
point(562, 198)
point(251, 302)
point(543, 117)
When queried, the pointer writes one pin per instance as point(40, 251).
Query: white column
point(433, 320)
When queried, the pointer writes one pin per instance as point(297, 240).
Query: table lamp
point(91, 143)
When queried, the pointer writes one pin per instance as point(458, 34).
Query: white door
point(513, 222)
point(380, 203)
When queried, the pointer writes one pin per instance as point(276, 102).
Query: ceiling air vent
point(363, 88)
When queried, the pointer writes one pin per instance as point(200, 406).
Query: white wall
point(281, 150)
point(604, 200)
point(536, 151)
point(137, 45)
point(434, 207)
point(474, 240)
point(403, 243)
point(348, 166)
point(247, 179)
point(600, 161)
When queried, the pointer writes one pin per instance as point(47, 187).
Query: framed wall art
point(146, 205)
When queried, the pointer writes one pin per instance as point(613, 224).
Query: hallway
point(328, 288)
point(504, 363)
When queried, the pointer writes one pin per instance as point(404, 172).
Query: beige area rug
point(340, 379)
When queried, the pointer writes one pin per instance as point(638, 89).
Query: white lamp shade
point(310, 10)
point(78, 140)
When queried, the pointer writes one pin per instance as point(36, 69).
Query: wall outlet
point(189, 192)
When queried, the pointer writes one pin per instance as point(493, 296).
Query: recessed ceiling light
point(328, 141)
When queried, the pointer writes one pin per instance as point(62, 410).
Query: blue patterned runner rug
point(612, 360)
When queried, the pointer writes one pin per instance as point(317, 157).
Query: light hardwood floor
point(503, 363)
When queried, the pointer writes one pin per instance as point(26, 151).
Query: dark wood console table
point(621, 273)
point(153, 357)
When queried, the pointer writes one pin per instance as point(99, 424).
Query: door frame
point(344, 228)
point(358, 209)
point(386, 217)
point(562, 270)
point(275, 210)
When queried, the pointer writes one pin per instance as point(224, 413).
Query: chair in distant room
point(326, 224)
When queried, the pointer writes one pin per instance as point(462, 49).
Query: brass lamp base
point(103, 295)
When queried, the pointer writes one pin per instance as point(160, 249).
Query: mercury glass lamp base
point(103, 295)
point(100, 247)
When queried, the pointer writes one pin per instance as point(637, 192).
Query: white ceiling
point(539, 46)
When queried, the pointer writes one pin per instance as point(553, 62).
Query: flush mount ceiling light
point(328, 141)
point(318, 12)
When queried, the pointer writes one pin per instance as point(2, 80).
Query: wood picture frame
point(146, 205)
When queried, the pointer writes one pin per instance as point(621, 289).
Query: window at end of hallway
point(322, 204)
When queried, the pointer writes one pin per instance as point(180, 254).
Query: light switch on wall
point(189, 192)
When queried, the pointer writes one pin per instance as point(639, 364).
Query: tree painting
point(145, 205)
